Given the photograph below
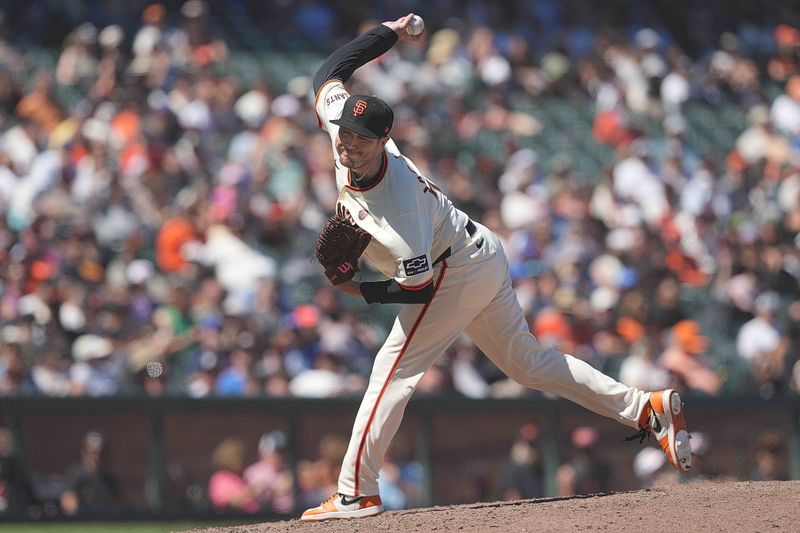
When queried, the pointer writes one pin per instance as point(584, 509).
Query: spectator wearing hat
point(246, 146)
point(94, 372)
point(270, 478)
point(684, 359)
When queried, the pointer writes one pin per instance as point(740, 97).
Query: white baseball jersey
point(410, 220)
point(412, 223)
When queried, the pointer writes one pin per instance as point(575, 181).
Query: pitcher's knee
point(531, 358)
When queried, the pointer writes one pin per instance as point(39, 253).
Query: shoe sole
point(338, 515)
point(680, 449)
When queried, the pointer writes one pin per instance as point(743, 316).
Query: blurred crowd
point(268, 484)
point(241, 477)
point(159, 210)
point(258, 478)
point(588, 468)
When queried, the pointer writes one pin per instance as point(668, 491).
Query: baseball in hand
point(415, 26)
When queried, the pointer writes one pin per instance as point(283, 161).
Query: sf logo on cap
point(359, 108)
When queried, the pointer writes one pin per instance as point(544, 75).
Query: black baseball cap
point(366, 115)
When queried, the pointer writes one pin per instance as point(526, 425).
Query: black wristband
point(374, 291)
point(390, 292)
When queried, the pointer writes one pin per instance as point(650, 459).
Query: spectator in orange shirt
point(174, 233)
point(684, 359)
point(39, 105)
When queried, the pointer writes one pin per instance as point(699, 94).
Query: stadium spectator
point(157, 162)
point(236, 378)
point(640, 369)
point(584, 472)
point(522, 476)
point(401, 477)
point(227, 490)
point(89, 487)
point(15, 487)
point(685, 359)
point(270, 479)
point(316, 477)
point(12, 368)
point(95, 371)
point(760, 343)
point(785, 109)
point(665, 309)
point(792, 363)
point(786, 61)
point(770, 458)
point(40, 107)
point(77, 63)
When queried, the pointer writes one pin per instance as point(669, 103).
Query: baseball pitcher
point(452, 275)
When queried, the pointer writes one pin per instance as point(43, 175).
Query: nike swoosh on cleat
point(657, 425)
point(345, 501)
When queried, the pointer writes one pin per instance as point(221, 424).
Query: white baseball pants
point(474, 295)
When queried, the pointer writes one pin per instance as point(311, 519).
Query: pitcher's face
point(357, 152)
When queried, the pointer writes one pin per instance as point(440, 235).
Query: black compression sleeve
point(346, 59)
point(390, 292)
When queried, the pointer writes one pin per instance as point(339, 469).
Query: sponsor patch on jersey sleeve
point(415, 265)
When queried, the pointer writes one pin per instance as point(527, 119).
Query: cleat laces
point(643, 434)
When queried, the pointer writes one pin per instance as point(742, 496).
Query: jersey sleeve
point(329, 103)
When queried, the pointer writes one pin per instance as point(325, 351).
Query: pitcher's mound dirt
point(701, 506)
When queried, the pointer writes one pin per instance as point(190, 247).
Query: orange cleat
point(663, 416)
point(341, 506)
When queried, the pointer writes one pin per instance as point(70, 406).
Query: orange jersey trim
point(391, 373)
point(316, 100)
